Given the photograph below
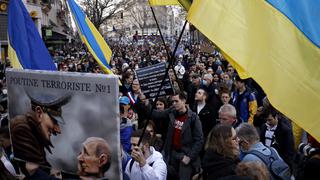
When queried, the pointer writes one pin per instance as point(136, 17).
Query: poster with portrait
point(64, 120)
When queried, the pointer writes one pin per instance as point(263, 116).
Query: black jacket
point(207, 117)
point(191, 134)
point(215, 166)
point(283, 141)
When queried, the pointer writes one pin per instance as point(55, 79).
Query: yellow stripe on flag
point(103, 67)
point(267, 46)
point(102, 44)
point(13, 58)
point(163, 2)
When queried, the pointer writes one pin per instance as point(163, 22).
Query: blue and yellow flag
point(91, 37)
point(275, 42)
point(26, 48)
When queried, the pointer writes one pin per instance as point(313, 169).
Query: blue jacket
point(125, 134)
point(259, 147)
point(246, 105)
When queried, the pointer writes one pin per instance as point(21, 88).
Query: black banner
point(150, 79)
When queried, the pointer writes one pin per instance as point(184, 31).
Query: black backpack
point(277, 167)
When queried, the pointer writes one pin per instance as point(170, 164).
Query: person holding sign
point(184, 138)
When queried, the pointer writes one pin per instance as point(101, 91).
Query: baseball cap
point(124, 100)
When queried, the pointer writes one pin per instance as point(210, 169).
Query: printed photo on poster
point(60, 120)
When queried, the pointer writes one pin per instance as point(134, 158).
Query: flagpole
point(165, 75)
point(164, 43)
point(0, 52)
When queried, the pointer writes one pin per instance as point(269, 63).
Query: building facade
point(51, 17)
point(137, 19)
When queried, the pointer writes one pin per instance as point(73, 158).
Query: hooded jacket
point(154, 169)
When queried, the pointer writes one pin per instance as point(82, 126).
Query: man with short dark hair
point(146, 162)
point(204, 111)
point(277, 134)
point(184, 138)
point(192, 88)
point(244, 101)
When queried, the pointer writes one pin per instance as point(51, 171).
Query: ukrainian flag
point(91, 37)
point(26, 48)
point(275, 42)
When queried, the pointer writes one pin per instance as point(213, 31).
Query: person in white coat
point(146, 162)
point(180, 70)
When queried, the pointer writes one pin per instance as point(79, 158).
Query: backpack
point(277, 167)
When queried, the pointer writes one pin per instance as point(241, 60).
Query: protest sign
point(52, 115)
point(150, 79)
point(207, 48)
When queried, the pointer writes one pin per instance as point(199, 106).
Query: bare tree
point(139, 17)
point(99, 11)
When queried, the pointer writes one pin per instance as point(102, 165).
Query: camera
point(306, 149)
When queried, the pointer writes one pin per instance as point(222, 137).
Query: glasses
point(241, 141)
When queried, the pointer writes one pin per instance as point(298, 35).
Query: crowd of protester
point(215, 125)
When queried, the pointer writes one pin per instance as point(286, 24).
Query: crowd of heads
point(197, 77)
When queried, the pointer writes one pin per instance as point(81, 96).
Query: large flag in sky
point(26, 48)
point(91, 37)
point(276, 43)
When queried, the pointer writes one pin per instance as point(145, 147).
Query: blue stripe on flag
point(24, 38)
point(86, 31)
point(305, 14)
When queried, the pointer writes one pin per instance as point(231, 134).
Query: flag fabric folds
point(163, 2)
point(274, 42)
point(185, 3)
point(91, 37)
point(26, 48)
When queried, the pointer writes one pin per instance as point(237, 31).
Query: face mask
point(204, 82)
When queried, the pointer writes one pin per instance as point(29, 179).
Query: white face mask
point(204, 82)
